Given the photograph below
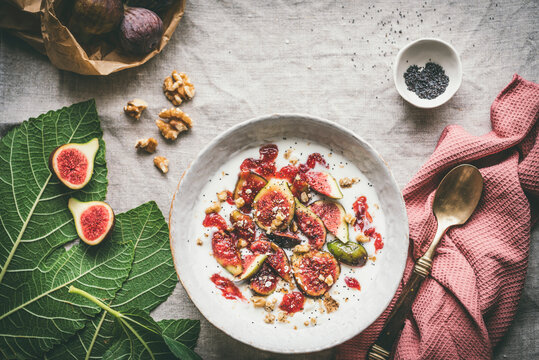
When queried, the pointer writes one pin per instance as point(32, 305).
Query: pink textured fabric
point(466, 305)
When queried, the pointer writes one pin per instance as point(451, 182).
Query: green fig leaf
point(151, 280)
point(34, 219)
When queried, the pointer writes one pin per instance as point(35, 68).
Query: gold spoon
point(455, 201)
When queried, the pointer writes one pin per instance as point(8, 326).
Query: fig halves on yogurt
point(73, 164)
point(94, 220)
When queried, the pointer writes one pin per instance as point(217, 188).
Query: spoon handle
point(381, 349)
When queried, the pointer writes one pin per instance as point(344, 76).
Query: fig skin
point(96, 17)
point(140, 31)
point(156, 6)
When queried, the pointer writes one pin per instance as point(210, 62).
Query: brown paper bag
point(46, 33)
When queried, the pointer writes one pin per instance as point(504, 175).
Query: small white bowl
point(419, 53)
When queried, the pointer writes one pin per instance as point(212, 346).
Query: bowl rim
point(270, 117)
point(398, 59)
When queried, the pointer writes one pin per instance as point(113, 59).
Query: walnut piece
point(329, 280)
point(306, 323)
point(215, 207)
point(222, 196)
point(258, 301)
point(199, 242)
point(300, 249)
point(330, 303)
point(270, 305)
point(287, 153)
point(304, 197)
point(361, 238)
point(178, 87)
point(242, 243)
point(149, 145)
point(161, 163)
point(313, 321)
point(349, 218)
point(282, 316)
point(178, 122)
point(135, 107)
point(293, 226)
point(269, 319)
point(239, 202)
point(347, 182)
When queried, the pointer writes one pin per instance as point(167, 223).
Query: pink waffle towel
point(467, 304)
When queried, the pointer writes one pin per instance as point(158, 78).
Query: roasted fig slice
point(351, 253)
point(323, 183)
point(285, 239)
point(310, 225)
point(73, 164)
point(94, 220)
point(277, 258)
point(265, 281)
point(315, 272)
point(251, 264)
point(244, 226)
point(274, 206)
point(333, 216)
point(248, 185)
point(225, 252)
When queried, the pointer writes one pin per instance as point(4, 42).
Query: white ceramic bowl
point(253, 331)
point(419, 53)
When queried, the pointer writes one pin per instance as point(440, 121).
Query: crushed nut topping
point(161, 163)
point(149, 145)
point(242, 243)
point(178, 87)
point(239, 202)
point(329, 280)
point(222, 196)
point(135, 107)
point(270, 305)
point(269, 319)
point(294, 226)
point(287, 153)
point(349, 218)
point(258, 301)
point(361, 238)
point(304, 197)
point(215, 207)
point(300, 249)
point(330, 303)
point(282, 316)
point(347, 182)
point(199, 242)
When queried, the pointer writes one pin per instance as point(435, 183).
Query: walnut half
point(161, 163)
point(178, 87)
point(149, 145)
point(135, 107)
point(178, 122)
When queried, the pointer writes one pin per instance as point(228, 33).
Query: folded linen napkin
point(467, 304)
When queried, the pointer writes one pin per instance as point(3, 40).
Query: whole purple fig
point(154, 5)
point(96, 17)
point(140, 31)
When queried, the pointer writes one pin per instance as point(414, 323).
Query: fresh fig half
point(225, 252)
point(315, 272)
point(251, 264)
point(310, 225)
point(333, 216)
point(248, 185)
point(277, 258)
point(351, 253)
point(285, 239)
point(94, 220)
point(274, 206)
point(73, 164)
point(323, 183)
point(244, 226)
point(265, 281)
